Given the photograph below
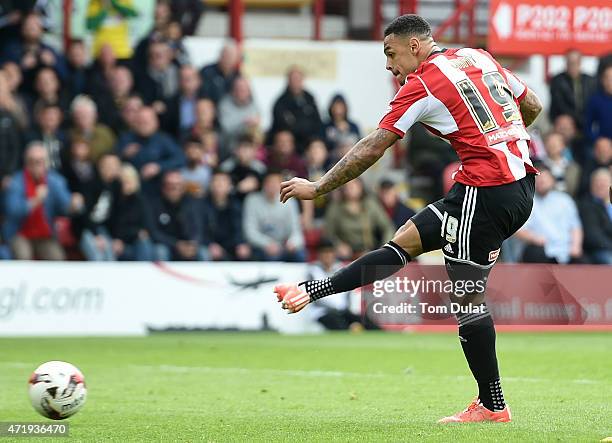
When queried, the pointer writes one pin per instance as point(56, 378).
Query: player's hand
point(299, 188)
point(291, 297)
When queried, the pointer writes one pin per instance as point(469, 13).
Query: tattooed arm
point(361, 156)
point(530, 107)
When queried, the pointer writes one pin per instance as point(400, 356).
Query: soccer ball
point(57, 390)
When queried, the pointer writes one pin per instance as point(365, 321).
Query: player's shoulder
point(453, 53)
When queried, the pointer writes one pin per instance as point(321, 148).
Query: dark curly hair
point(411, 25)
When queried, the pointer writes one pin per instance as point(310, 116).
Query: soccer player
point(482, 109)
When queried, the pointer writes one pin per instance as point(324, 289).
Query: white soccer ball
point(57, 390)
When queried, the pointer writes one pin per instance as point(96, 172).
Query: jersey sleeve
point(518, 86)
point(409, 106)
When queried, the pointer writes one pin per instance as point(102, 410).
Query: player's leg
point(487, 217)
point(418, 235)
point(477, 338)
point(468, 236)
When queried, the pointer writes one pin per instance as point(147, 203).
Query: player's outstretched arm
point(361, 156)
point(531, 106)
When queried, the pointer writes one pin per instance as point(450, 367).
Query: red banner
point(527, 27)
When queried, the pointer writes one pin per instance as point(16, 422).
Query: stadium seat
point(311, 240)
point(63, 228)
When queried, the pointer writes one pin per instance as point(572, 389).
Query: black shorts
point(470, 223)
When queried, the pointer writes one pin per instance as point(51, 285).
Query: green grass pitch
point(335, 387)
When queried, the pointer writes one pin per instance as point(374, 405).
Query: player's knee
point(469, 282)
point(408, 238)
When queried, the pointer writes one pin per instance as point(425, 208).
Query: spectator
point(35, 197)
point(129, 114)
point(243, 167)
point(296, 111)
point(10, 134)
point(101, 197)
point(558, 160)
point(10, 18)
point(159, 81)
point(564, 124)
point(282, 156)
point(110, 105)
point(317, 159)
point(48, 90)
point(602, 158)
point(222, 222)
point(188, 13)
point(78, 168)
point(599, 109)
point(271, 227)
point(196, 173)
point(356, 223)
point(388, 196)
point(206, 117)
point(49, 133)
point(205, 129)
point(10, 99)
point(161, 16)
point(177, 224)
point(100, 72)
point(570, 90)
point(108, 22)
point(210, 145)
point(334, 313)
point(86, 127)
point(31, 54)
point(339, 124)
point(174, 37)
point(76, 81)
point(317, 164)
point(180, 115)
point(596, 214)
point(238, 112)
point(150, 151)
point(553, 233)
point(218, 77)
point(428, 156)
point(130, 225)
point(604, 62)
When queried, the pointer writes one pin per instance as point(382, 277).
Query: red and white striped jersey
point(466, 97)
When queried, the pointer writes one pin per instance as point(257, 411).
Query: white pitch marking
point(316, 373)
point(296, 372)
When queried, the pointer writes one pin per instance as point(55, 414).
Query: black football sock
point(477, 336)
point(368, 268)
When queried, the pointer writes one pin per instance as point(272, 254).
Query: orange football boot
point(476, 412)
point(291, 297)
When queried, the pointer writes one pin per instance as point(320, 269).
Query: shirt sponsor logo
point(511, 133)
point(493, 255)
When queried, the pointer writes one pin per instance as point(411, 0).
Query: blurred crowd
point(114, 152)
point(571, 221)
